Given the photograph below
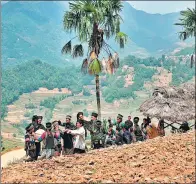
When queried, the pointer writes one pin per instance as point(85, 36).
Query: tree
point(92, 20)
point(188, 21)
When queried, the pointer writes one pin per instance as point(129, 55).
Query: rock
point(91, 163)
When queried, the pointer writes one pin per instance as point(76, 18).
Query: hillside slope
point(34, 30)
point(161, 160)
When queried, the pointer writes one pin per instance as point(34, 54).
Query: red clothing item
point(43, 136)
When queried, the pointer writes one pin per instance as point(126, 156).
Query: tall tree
point(188, 22)
point(92, 21)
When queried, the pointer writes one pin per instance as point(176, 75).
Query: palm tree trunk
point(98, 96)
point(96, 49)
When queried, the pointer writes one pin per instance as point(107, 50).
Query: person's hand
point(66, 130)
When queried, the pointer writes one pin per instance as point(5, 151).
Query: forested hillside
point(34, 30)
point(30, 76)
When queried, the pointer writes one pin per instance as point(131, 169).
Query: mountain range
point(34, 30)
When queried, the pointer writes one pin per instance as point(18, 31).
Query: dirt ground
point(169, 159)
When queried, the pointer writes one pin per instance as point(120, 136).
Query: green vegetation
point(28, 114)
point(79, 102)
point(86, 92)
point(187, 21)
point(86, 113)
point(51, 102)
point(32, 75)
point(93, 22)
point(116, 90)
point(9, 144)
point(186, 51)
point(30, 106)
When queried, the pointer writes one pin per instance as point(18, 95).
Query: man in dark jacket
point(30, 146)
point(68, 138)
point(137, 130)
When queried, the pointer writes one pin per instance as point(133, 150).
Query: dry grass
point(171, 103)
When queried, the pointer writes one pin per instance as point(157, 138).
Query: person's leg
point(78, 151)
point(37, 144)
point(48, 153)
point(43, 155)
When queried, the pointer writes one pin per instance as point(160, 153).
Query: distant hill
point(186, 51)
point(34, 30)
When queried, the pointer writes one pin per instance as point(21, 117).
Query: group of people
point(67, 138)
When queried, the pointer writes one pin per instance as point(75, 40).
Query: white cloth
point(80, 138)
point(38, 133)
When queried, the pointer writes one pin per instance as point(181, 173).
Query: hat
point(68, 117)
point(39, 117)
point(48, 125)
point(120, 116)
point(29, 127)
point(94, 114)
point(34, 118)
point(98, 122)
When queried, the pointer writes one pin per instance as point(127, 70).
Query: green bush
point(30, 106)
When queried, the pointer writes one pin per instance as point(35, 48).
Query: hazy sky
point(162, 6)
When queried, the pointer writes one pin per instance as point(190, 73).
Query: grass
point(11, 144)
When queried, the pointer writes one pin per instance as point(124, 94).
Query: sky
point(162, 7)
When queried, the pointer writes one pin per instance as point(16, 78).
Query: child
point(57, 131)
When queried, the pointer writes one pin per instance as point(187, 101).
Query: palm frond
point(84, 68)
point(183, 35)
point(77, 51)
point(66, 48)
point(192, 60)
point(121, 38)
point(116, 60)
point(188, 22)
point(94, 67)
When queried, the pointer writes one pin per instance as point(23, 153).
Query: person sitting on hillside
point(98, 135)
point(79, 145)
point(160, 127)
point(111, 136)
point(143, 128)
point(110, 121)
point(127, 138)
point(119, 130)
point(48, 137)
point(30, 147)
point(184, 127)
point(129, 123)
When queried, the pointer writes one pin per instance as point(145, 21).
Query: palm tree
point(188, 21)
point(92, 20)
